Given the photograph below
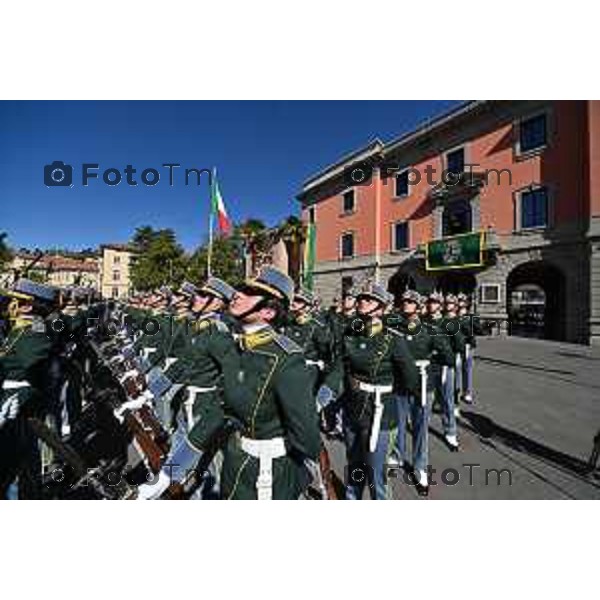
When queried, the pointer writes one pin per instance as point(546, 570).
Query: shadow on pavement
point(508, 363)
point(487, 429)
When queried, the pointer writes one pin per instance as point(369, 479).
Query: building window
point(115, 292)
point(455, 161)
point(532, 133)
point(402, 186)
point(489, 293)
point(349, 202)
point(311, 215)
point(400, 234)
point(116, 260)
point(347, 245)
point(116, 276)
point(534, 208)
point(457, 218)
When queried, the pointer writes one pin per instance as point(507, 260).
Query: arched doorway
point(536, 301)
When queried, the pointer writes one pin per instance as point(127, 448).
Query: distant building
point(57, 270)
point(115, 269)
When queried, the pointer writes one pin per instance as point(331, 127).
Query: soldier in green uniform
point(470, 328)
point(376, 366)
point(312, 335)
point(340, 322)
point(454, 331)
point(442, 375)
point(24, 361)
point(202, 340)
point(429, 352)
point(267, 388)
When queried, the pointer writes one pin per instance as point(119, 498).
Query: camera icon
point(359, 173)
point(58, 174)
point(359, 474)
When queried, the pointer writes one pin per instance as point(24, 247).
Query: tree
point(143, 237)
point(227, 261)
point(6, 254)
point(293, 233)
point(160, 260)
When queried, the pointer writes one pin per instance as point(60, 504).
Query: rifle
point(71, 458)
point(327, 474)
point(151, 450)
point(185, 489)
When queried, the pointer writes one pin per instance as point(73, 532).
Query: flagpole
point(210, 224)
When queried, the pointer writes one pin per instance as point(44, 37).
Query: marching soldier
point(429, 352)
point(470, 328)
point(376, 365)
point(340, 322)
point(194, 365)
point(267, 389)
point(453, 329)
point(24, 362)
point(442, 375)
point(312, 335)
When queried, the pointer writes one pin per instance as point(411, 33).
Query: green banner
point(309, 256)
point(457, 252)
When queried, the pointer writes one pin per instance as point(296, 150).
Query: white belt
point(265, 451)
point(315, 363)
point(11, 384)
point(378, 391)
point(193, 391)
point(422, 366)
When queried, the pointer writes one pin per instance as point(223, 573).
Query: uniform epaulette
point(288, 345)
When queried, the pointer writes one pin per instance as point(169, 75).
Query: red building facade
point(522, 177)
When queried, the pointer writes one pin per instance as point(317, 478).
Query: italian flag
point(218, 208)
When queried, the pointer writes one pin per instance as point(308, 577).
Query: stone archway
point(536, 300)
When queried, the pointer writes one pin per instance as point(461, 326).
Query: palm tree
point(253, 234)
point(293, 233)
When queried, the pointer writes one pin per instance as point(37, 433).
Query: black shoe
point(422, 490)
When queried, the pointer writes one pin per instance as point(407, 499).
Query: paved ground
point(537, 410)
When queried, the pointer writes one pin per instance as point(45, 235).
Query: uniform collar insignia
point(253, 338)
point(375, 328)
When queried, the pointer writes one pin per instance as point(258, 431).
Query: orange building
point(498, 199)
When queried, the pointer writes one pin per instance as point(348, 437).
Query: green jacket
point(316, 340)
point(382, 358)
point(425, 344)
point(25, 356)
point(267, 389)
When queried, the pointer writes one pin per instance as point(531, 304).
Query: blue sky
point(262, 151)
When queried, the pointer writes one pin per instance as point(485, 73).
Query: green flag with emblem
point(457, 252)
